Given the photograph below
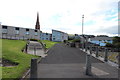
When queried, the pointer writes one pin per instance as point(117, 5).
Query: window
point(62, 37)
point(46, 38)
point(36, 33)
point(16, 28)
point(4, 27)
point(17, 31)
point(27, 32)
point(4, 30)
point(27, 29)
point(53, 38)
point(35, 30)
point(46, 33)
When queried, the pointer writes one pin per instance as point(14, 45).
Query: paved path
point(66, 62)
point(35, 48)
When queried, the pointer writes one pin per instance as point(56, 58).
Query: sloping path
point(66, 62)
point(35, 48)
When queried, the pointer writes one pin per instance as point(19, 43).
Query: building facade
point(11, 32)
point(59, 36)
point(45, 36)
point(101, 40)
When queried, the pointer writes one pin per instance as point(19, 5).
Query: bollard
point(82, 46)
point(85, 47)
point(119, 60)
point(33, 71)
point(97, 51)
point(34, 50)
point(26, 48)
point(90, 50)
point(106, 55)
point(88, 65)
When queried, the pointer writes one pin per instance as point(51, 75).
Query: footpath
point(66, 62)
point(36, 48)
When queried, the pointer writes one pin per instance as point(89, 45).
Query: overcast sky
point(101, 16)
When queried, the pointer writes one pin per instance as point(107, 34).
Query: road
point(66, 62)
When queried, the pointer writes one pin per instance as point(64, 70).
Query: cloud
point(65, 15)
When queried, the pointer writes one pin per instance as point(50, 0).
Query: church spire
point(37, 26)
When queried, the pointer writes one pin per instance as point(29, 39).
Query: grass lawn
point(113, 56)
point(11, 50)
point(49, 44)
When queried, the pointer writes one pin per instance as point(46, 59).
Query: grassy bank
point(49, 44)
point(11, 50)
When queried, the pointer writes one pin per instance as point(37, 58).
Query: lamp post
point(82, 23)
point(82, 31)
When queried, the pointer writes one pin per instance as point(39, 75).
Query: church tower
point(37, 26)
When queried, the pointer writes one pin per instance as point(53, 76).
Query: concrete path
point(35, 48)
point(66, 62)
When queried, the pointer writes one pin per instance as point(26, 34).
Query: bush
point(109, 45)
point(65, 41)
point(71, 38)
point(33, 39)
point(76, 40)
point(117, 45)
point(116, 42)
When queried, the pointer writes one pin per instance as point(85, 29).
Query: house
point(12, 32)
point(77, 36)
point(101, 40)
point(45, 36)
point(59, 36)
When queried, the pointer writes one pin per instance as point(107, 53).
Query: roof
point(101, 38)
point(58, 31)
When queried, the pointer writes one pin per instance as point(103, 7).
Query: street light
point(82, 23)
point(82, 31)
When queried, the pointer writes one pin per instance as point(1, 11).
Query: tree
point(116, 41)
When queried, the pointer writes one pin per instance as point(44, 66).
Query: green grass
point(49, 44)
point(11, 50)
point(112, 57)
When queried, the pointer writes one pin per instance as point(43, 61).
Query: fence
point(106, 54)
point(111, 54)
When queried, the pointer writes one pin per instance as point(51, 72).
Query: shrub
point(109, 45)
point(33, 39)
point(65, 41)
point(117, 45)
point(76, 40)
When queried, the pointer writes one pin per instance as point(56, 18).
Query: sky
point(100, 16)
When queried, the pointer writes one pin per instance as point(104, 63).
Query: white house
point(59, 36)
